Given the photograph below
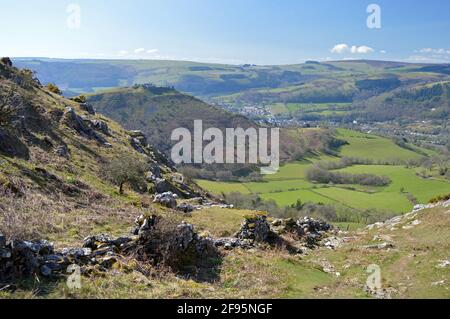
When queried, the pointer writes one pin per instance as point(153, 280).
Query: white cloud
point(362, 49)
point(432, 55)
point(345, 48)
point(152, 51)
point(123, 53)
point(383, 51)
point(139, 51)
point(436, 51)
point(340, 48)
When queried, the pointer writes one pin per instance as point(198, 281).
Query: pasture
point(290, 185)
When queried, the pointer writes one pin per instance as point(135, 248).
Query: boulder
point(63, 151)
point(164, 186)
point(101, 127)
point(185, 208)
point(2, 240)
point(167, 199)
point(137, 145)
point(185, 235)
point(87, 108)
point(256, 228)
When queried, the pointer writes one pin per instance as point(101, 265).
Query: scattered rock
point(185, 208)
point(438, 283)
point(444, 264)
point(383, 246)
point(167, 199)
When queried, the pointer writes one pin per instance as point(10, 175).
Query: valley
point(407, 188)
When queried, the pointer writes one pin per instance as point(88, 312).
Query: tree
point(126, 170)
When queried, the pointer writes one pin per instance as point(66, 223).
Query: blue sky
point(227, 31)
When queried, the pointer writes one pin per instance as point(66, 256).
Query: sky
point(228, 31)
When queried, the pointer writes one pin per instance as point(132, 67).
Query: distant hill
point(373, 89)
point(157, 111)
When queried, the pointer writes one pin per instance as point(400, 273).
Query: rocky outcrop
point(307, 229)
point(185, 208)
point(76, 122)
point(87, 108)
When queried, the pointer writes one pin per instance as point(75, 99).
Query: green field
point(290, 185)
point(373, 147)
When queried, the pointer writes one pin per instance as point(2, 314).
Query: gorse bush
point(54, 89)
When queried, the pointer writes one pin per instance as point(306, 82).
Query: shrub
point(53, 88)
point(440, 199)
point(80, 99)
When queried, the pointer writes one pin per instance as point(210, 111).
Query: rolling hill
point(342, 90)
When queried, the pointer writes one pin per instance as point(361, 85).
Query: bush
point(53, 88)
point(440, 199)
point(80, 99)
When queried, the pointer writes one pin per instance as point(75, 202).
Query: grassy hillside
point(419, 244)
point(54, 175)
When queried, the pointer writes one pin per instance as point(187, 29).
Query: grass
point(271, 273)
point(405, 179)
point(290, 184)
point(220, 187)
point(373, 147)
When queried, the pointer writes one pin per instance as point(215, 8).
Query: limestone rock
point(167, 199)
point(88, 108)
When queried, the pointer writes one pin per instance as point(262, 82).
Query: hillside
point(338, 91)
point(55, 185)
point(157, 111)
point(55, 156)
